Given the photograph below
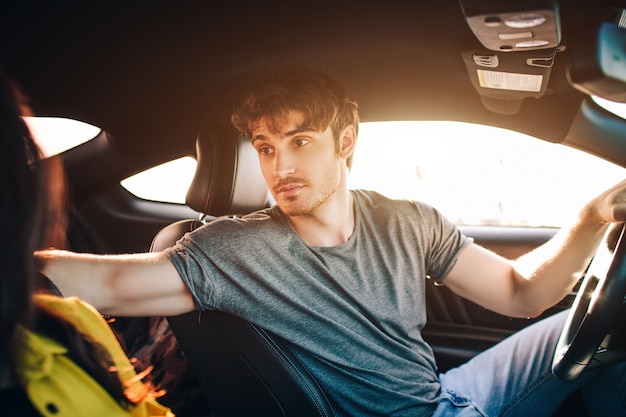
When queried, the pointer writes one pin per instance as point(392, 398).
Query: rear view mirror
point(598, 62)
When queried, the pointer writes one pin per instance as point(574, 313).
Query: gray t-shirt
point(353, 313)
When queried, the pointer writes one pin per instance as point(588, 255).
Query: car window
point(167, 182)
point(618, 109)
point(55, 135)
point(476, 175)
point(479, 175)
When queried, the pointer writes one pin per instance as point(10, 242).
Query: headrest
point(228, 178)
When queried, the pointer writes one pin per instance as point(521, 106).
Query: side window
point(478, 175)
point(618, 109)
point(167, 182)
point(55, 135)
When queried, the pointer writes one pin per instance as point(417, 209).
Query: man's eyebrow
point(293, 132)
point(300, 129)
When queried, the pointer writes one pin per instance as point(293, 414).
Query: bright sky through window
point(476, 175)
point(55, 135)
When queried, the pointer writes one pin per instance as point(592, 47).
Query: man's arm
point(541, 278)
point(145, 284)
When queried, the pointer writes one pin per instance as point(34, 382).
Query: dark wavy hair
point(32, 217)
point(22, 219)
point(322, 100)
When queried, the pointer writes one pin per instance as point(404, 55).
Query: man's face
point(300, 165)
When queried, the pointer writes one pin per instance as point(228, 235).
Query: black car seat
point(243, 370)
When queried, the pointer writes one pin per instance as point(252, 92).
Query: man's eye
point(300, 142)
point(264, 150)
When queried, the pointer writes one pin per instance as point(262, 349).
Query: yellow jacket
point(56, 385)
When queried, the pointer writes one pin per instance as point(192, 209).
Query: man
point(339, 274)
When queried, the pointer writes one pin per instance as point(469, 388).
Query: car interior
point(159, 79)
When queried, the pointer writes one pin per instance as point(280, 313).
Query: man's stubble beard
point(294, 206)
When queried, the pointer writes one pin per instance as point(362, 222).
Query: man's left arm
point(536, 281)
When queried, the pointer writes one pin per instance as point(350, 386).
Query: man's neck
point(331, 225)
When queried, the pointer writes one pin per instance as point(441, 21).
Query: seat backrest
point(243, 369)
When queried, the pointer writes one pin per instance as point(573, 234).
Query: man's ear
point(348, 141)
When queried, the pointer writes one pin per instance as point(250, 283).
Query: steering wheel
point(591, 337)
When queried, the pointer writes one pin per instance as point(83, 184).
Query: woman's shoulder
point(48, 374)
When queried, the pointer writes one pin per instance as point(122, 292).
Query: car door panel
point(115, 221)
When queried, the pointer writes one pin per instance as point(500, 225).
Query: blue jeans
point(514, 378)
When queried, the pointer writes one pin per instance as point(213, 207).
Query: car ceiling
point(151, 72)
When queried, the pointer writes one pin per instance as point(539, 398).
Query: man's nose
point(284, 164)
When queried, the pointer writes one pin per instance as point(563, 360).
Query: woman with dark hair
point(57, 355)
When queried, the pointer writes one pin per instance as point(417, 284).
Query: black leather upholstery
point(246, 371)
point(243, 369)
point(228, 179)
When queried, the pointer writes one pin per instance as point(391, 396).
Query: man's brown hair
point(321, 99)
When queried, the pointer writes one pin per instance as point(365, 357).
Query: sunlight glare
point(478, 174)
point(55, 135)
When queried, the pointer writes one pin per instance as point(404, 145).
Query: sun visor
point(504, 79)
point(598, 61)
